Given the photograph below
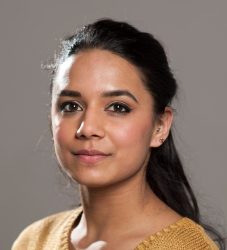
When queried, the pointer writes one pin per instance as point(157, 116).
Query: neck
point(118, 208)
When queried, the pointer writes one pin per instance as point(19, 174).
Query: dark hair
point(165, 173)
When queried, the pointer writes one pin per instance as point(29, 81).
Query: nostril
point(80, 136)
point(86, 136)
point(91, 132)
point(90, 127)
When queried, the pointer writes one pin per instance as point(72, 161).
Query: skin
point(114, 193)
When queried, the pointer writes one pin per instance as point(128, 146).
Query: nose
point(91, 126)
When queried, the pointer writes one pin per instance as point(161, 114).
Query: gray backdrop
point(195, 36)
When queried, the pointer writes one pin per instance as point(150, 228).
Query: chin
point(91, 181)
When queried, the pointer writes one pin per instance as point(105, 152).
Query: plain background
point(194, 34)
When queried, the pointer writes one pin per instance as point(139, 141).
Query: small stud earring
point(161, 140)
point(158, 130)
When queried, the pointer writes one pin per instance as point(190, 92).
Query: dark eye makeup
point(69, 106)
point(118, 107)
point(115, 107)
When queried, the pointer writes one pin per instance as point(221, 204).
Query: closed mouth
point(90, 152)
point(90, 156)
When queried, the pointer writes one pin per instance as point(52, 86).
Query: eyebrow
point(70, 93)
point(119, 93)
point(112, 93)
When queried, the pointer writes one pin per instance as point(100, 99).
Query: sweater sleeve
point(183, 235)
point(49, 233)
point(27, 238)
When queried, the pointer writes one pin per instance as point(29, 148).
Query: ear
point(162, 128)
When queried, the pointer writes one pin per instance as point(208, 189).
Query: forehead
point(98, 70)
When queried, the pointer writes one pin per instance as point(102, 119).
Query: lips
point(89, 152)
point(90, 156)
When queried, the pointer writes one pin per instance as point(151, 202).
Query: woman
point(111, 121)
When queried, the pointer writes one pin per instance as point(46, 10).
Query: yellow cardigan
point(53, 233)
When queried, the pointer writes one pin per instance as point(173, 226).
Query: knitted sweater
point(53, 233)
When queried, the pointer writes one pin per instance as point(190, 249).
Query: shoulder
point(43, 231)
point(184, 234)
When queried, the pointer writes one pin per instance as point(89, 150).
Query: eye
point(118, 107)
point(68, 107)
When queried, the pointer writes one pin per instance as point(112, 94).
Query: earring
point(161, 140)
point(158, 130)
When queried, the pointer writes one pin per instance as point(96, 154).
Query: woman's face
point(102, 119)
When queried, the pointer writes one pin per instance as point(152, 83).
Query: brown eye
point(118, 107)
point(68, 107)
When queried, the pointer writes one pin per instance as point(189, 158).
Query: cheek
point(60, 135)
point(132, 134)
point(62, 131)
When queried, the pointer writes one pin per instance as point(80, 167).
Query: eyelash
point(120, 105)
point(72, 105)
point(117, 108)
